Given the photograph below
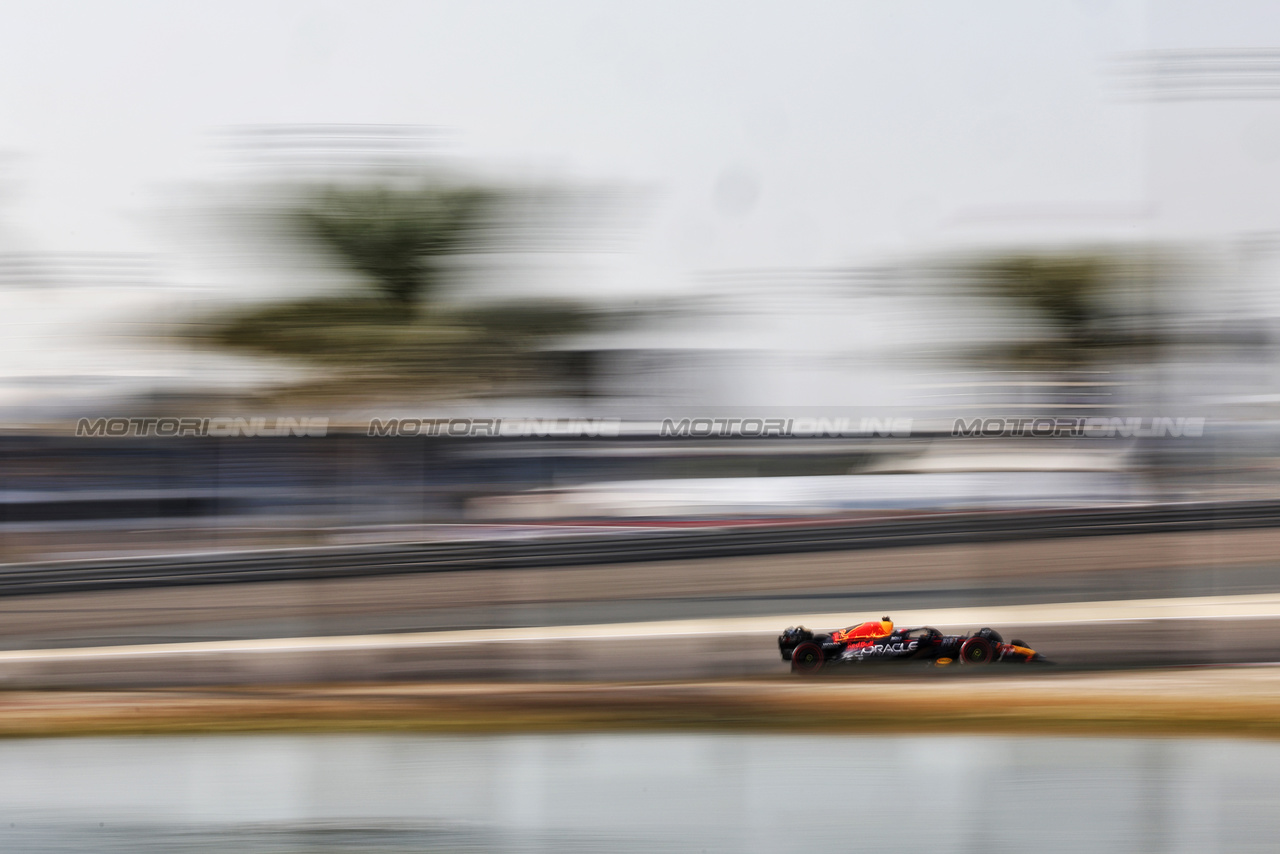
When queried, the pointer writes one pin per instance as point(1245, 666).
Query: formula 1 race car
point(878, 641)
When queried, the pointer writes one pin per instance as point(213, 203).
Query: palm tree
point(397, 236)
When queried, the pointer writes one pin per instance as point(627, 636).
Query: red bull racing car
point(878, 641)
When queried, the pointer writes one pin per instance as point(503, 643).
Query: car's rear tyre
point(976, 651)
point(807, 658)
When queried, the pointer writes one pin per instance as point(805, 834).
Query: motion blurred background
point(484, 304)
point(832, 213)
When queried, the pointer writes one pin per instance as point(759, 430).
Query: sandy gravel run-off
point(1235, 701)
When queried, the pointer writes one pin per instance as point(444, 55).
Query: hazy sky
point(772, 134)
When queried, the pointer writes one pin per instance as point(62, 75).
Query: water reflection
point(636, 792)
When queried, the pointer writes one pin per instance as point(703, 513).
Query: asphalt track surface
point(1011, 585)
point(652, 546)
point(1204, 630)
point(1179, 556)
